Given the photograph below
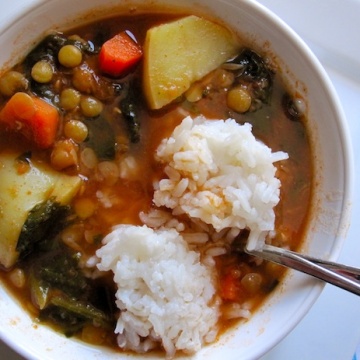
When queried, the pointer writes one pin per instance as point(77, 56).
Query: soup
point(103, 217)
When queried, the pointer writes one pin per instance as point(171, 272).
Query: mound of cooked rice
point(164, 293)
point(221, 174)
point(221, 177)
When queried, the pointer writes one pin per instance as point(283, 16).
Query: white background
point(331, 329)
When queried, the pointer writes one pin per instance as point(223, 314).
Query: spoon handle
point(345, 277)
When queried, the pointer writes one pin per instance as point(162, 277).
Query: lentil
point(17, 277)
point(70, 56)
point(69, 99)
point(252, 282)
point(84, 207)
point(64, 155)
point(12, 82)
point(76, 130)
point(42, 72)
point(239, 99)
point(90, 106)
point(88, 158)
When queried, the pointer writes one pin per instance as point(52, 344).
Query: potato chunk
point(20, 192)
point(178, 53)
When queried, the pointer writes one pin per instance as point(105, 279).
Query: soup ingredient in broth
point(24, 184)
point(178, 53)
point(32, 117)
point(221, 174)
point(119, 54)
point(164, 293)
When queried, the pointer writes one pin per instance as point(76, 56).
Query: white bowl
point(333, 164)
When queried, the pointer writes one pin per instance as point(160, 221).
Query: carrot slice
point(119, 54)
point(31, 116)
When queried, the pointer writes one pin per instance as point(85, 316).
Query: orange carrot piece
point(31, 116)
point(229, 288)
point(119, 54)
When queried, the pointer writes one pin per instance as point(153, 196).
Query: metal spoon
point(342, 276)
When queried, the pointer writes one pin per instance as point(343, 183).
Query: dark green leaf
point(101, 138)
point(59, 269)
point(45, 50)
point(256, 75)
point(44, 221)
point(71, 315)
point(128, 110)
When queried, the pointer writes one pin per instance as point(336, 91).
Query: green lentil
point(12, 82)
point(69, 99)
point(76, 130)
point(70, 56)
point(90, 106)
point(42, 72)
point(239, 99)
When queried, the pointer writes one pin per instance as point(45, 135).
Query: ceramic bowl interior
point(333, 169)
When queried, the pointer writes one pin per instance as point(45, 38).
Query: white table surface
point(331, 329)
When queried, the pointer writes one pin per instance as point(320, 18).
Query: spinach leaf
point(81, 309)
point(59, 269)
point(252, 71)
point(71, 315)
point(58, 286)
point(129, 112)
point(101, 137)
point(48, 49)
point(44, 221)
point(64, 295)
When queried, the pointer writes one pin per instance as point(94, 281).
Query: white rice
point(224, 180)
point(221, 174)
point(164, 293)
point(235, 311)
